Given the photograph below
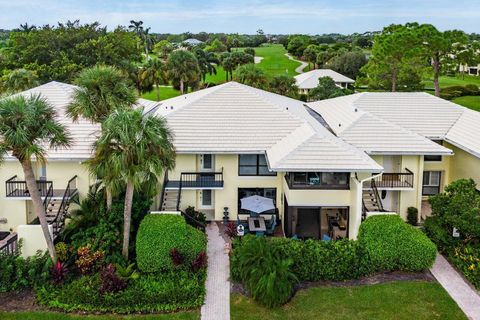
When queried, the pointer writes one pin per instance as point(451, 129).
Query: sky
point(280, 16)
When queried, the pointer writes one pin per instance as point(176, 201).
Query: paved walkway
point(302, 66)
point(217, 300)
point(464, 295)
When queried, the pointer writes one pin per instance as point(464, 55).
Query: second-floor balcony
point(394, 180)
point(197, 180)
point(15, 188)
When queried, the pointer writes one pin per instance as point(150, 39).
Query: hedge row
point(452, 92)
point(386, 243)
point(160, 293)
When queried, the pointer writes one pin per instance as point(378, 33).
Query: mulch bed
point(19, 301)
point(374, 279)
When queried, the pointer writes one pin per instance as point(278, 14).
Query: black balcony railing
point(395, 180)
point(15, 188)
point(10, 246)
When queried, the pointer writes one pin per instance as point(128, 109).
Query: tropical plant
point(27, 125)
point(102, 89)
point(325, 89)
point(136, 148)
point(183, 68)
point(19, 80)
point(153, 72)
point(250, 75)
point(206, 62)
point(110, 282)
point(284, 85)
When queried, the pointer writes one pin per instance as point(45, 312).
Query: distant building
point(309, 80)
point(192, 42)
point(471, 70)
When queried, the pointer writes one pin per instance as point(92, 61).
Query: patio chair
point(271, 225)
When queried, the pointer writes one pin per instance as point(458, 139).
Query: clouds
point(282, 16)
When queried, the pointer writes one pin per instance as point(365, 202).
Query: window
point(206, 198)
point(318, 180)
point(434, 158)
point(207, 163)
point(264, 192)
point(253, 165)
point(431, 182)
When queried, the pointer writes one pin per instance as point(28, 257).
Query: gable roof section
point(465, 133)
point(370, 133)
point(309, 80)
point(82, 132)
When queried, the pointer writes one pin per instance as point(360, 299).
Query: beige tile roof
point(309, 80)
point(419, 112)
point(465, 133)
point(234, 118)
point(371, 133)
point(83, 132)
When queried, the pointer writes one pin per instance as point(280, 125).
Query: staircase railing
point(179, 196)
point(162, 196)
point(11, 246)
point(48, 197)
point(70, 191)
point(193, 222)
point(377, 196)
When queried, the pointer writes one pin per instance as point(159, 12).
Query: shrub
point(88, 261)
point(472, 90)
point(467, 260)
point(62, 251)
point(394, 245)
point(197, 215)
point(200, 262)
point(127, 273)
point(164, 292)
point(412, 216)
point(265, 273)
point(18, 273)
point(159, 234)
point(59, 272)
point(231, 230)
point(440, 234)
point(110, 282)
point(177, 257)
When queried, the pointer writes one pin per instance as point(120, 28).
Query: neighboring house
point(471, 70)
point(192, 42)
point(315, 161)
point(309, 80)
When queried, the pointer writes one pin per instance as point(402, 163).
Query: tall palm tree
point(27, 125)
point(20, 80)
point(153, 72)
point(137, 148)
point(101, 90)
point(137, 28)
point(206, 62)
point(147, 39)
point(183, 68)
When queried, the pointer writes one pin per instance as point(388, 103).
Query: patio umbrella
point(257, 204)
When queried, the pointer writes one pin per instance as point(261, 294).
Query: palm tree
point(153, 72)
point(250, 75)
point(26, 126)
point(147, 40)
point(183, 68)
point(137, 148)
point(137, 28)
point(20, 80)
point(101, 90)
point(206, 62)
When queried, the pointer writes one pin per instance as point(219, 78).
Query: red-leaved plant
point(177, 257)
point(110, 282)
point(231, 230)
point(59, 273)
point(88, 262)
point(200, 261)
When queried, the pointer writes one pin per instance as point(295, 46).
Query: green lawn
point(472, 102)
point(396, 300)
point(216, 78)
point(446, 81)
point(63, 316)
point(165, 93)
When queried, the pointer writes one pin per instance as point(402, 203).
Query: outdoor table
point(256, 224)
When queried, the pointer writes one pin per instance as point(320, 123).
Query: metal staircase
point(57, 210)
point(371, 200)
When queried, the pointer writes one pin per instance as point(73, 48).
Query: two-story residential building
point(326, 165)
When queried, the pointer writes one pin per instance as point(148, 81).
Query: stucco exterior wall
point(464, 166)
point(13, 212)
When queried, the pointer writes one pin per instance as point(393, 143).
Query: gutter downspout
point(357, 219)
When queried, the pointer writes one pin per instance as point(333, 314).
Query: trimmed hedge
point(159, 234)
point(155, 293)
point(452, 92)
point(394, 245)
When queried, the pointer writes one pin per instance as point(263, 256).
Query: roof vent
point(339, 124)
point(171, 107)
point(356, 110)
point(286, 108)
point(166, 108)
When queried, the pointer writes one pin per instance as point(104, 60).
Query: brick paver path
point(464, 295)
point(217, 300)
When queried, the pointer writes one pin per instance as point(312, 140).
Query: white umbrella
point(257, 204)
